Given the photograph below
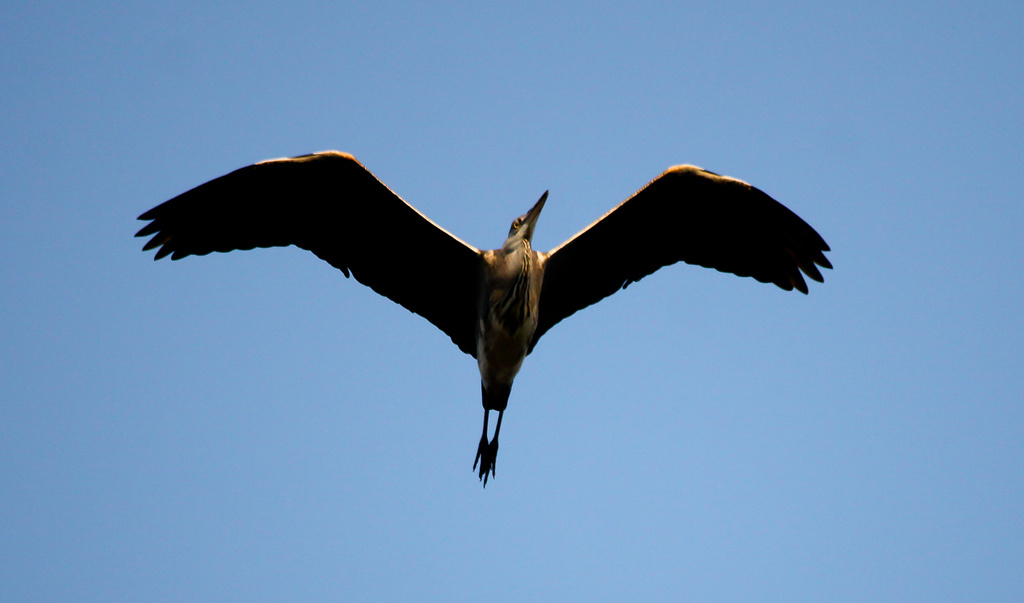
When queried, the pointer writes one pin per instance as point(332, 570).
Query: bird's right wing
point(331, 205)
point(687, 214)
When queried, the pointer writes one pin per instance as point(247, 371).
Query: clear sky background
point(254, 426)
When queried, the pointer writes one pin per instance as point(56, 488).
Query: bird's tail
point(495, 397)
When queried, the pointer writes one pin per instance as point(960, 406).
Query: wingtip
point(797, 282)
point(147, 230)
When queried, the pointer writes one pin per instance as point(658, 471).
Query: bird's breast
point(508, 318)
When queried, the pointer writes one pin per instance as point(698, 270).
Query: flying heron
point(494, 304)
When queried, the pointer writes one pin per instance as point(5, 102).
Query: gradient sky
point(254, 426)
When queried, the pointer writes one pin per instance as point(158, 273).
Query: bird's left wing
point(328, 203)
point(685, 215)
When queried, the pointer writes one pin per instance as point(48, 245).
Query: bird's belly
point(500, 353)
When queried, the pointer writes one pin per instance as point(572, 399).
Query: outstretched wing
point(687, 214)
point(331, 205)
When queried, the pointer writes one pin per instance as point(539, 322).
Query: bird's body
point(507, 317)
point(495, 304)
point(510, 287)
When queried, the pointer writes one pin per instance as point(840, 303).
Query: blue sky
point(254, 426)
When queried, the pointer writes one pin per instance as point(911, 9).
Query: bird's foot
point(486, 454)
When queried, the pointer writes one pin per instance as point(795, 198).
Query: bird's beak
point(534, 213)
point(530, 219)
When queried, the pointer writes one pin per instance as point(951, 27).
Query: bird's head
point(522, 227)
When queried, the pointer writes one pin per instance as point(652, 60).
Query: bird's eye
point(517, 223)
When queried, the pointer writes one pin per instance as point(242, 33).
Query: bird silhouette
point(496, 304)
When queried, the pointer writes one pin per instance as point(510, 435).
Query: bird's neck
point(515, 246)
point(515, 306)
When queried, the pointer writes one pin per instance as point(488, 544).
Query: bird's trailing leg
point(487, 452)
point(481, 451)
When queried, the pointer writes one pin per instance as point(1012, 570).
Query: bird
point(493, 304)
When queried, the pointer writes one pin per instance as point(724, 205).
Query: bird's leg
point(487, 453)
point(482, 450)
point(494, 445)
point(495, 398)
